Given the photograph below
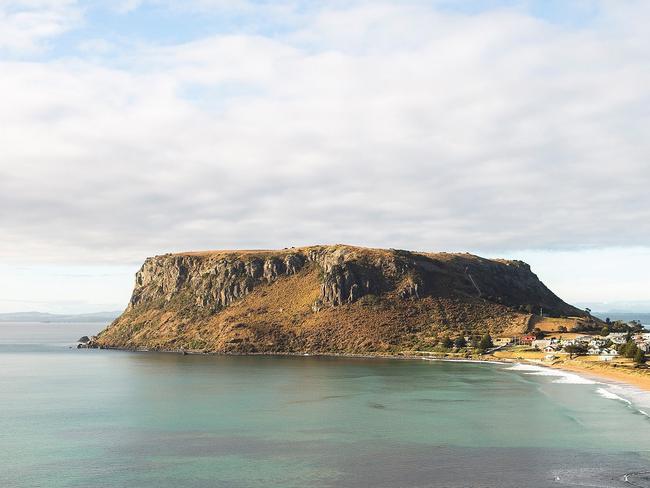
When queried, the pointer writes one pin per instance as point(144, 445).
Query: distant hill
point(327, 299)
point(59, 318)
point(644, 318)
point(619, 306)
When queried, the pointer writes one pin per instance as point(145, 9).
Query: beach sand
point(623, 372)
point(639, 378)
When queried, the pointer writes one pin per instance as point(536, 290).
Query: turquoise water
point(86, 418)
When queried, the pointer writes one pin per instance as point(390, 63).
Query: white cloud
point(386, 125)
point(599, 275)
point(26, 24)
point(95, 46)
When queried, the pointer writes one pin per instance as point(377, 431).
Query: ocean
point(99, 418)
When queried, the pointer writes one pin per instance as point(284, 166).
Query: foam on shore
point(612, 396)
point(561, 376)
point(636, 399)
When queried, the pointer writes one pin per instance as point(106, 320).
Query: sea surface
point(98, 418)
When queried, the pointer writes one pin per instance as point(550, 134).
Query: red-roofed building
point(526, 340)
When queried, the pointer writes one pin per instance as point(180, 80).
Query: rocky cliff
point(315, 299)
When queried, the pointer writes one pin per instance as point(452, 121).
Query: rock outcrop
point(325, 299)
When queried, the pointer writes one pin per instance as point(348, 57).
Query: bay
point(85, 418)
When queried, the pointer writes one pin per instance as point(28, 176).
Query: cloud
point(26, 24)
point(382, 124)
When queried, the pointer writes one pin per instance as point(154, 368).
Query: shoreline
point(406, 356)
point(596, 372)
point(607, 374)
point(398, 356)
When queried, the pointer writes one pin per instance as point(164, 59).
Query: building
point(502, 341)
point(617, 337)
point(607, 354)
point(541, 343)
point(526, 340)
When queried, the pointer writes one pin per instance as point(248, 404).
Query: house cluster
point(603, 347)
point(642, 339)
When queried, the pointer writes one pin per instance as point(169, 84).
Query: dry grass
point(352, 251)
point(278, 317)
point(551, 324)
point(513, 354)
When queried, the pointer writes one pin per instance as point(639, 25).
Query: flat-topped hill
point(325, 299)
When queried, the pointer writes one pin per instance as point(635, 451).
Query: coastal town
point(616, 350)
point(605, 347)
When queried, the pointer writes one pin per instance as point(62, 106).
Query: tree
point(639, 357)
point(561, 328)
point(447, 343)
point(476, 340)
point(460, 342)
point(608, 321)
point(486, 343)
point(575, 350)
point(588, 310)
point(604, 332)
point(630, 349)
point(636, 325)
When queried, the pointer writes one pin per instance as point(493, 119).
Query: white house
point(541, 343)
point(617, 337)
point(608, 354)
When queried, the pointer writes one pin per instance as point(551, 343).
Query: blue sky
point(121, 24)
point(503, 128)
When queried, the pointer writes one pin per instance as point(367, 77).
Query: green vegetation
point(576, 350)
point(629, 349)
point(196, 344)
point(639, 356)
point(604, 331)
point(485, 343)
point(460, 342)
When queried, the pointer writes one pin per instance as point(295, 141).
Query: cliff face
point(325, 299)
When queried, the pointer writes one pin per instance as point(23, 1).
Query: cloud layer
point(398, 125)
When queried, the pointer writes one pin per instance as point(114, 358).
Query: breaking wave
point(561, 376)
point(637, 400)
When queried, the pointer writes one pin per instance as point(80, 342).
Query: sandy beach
point(620, 372)
point(639, 378)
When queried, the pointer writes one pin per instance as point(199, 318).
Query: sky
point(504, 128)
